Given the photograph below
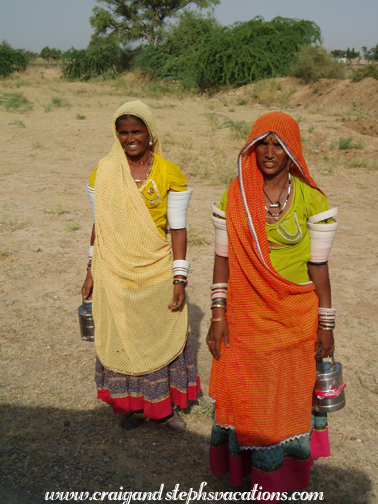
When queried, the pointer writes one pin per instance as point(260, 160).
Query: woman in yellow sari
point(271, 315)
point(145, 363)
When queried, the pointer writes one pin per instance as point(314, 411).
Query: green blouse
point(290, 260)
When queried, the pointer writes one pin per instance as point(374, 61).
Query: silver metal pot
point(329, 392)
point(86, 321)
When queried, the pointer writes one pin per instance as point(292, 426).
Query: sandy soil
point(55, 435)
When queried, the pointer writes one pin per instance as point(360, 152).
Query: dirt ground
point(55, 435)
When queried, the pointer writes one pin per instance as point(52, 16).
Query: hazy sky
point(34, 24)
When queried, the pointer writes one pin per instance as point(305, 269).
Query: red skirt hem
point(292, 475)
point(155, 410)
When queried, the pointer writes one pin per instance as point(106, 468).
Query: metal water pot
point(86, 321)
point(329, 394)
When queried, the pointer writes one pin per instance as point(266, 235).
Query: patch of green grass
point(196, 237)
point(210, 105)
point(213, 122)
point(80, 116)
point(347, 144)
point(311, 128)
point(204, 408)
point(241, 101)
point(19, 124)
point(358, 111)
point(72, 226)
point(12, 224)
point(4, 251)
point(15, 102)
point(37, 145)
point(56, 102)
point(58, 210)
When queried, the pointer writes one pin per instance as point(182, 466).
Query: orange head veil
point(286, 130)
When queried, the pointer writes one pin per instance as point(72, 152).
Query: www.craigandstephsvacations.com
point(256, 494)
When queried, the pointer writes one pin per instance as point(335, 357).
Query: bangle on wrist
point(180, 282)
point(220, 319)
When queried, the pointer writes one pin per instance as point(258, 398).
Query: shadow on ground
point(47, 450)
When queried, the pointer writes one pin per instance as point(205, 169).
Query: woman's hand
point(217, 332)
point(87, 289)
point(178, 297)
point(326, 342)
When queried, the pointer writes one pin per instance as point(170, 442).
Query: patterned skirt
point(154, 393)
point(282, 468)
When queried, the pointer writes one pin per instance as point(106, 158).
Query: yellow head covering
point(139, 109)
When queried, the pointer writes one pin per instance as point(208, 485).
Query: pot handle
point(333, 362)
point(85, 306)
point(333, 365)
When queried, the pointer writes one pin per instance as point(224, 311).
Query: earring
point(150, 142)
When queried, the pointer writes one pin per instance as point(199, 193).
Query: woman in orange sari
point(271, 314)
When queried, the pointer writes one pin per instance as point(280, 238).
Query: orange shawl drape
point(263, 383)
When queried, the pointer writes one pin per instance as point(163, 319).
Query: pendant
point(138, 181)
point(275, 205)
point(275, 217)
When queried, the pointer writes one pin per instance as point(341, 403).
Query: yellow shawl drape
point(135, 332)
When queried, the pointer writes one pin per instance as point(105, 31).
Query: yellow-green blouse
point(163, 176)
point(290, 260)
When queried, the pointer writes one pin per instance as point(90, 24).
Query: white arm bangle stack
point(90, 191)
point(177, 206)
point(218, 218)
point(180, 268)
point(90, 252)
point(321, 235)
point(219, 296)
point(219, 291)
point(327, 318)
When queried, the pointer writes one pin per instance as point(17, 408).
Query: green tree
point(50, 54)
point(370, 54)
point(11, 60)
point(131, 20)
point(233, 56)
point(313, 63)
point(338, 53)
point(351, 54)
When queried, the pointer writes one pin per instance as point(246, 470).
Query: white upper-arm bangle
point(90, 252)
point(90, 191)
point(218, 218)
point(321, 235)
point(181, 267)
point(177, 206)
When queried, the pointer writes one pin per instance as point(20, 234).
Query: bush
point(101, 58)
point(365, 72)
point(313, 63)
point(11, 60)
point(232, 56)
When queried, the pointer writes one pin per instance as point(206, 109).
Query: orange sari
point(263, 383)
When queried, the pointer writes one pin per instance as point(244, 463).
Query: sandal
point(176, 423)
point(132, 422)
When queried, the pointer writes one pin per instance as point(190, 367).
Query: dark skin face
point(134, 138)
point(271, 159)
